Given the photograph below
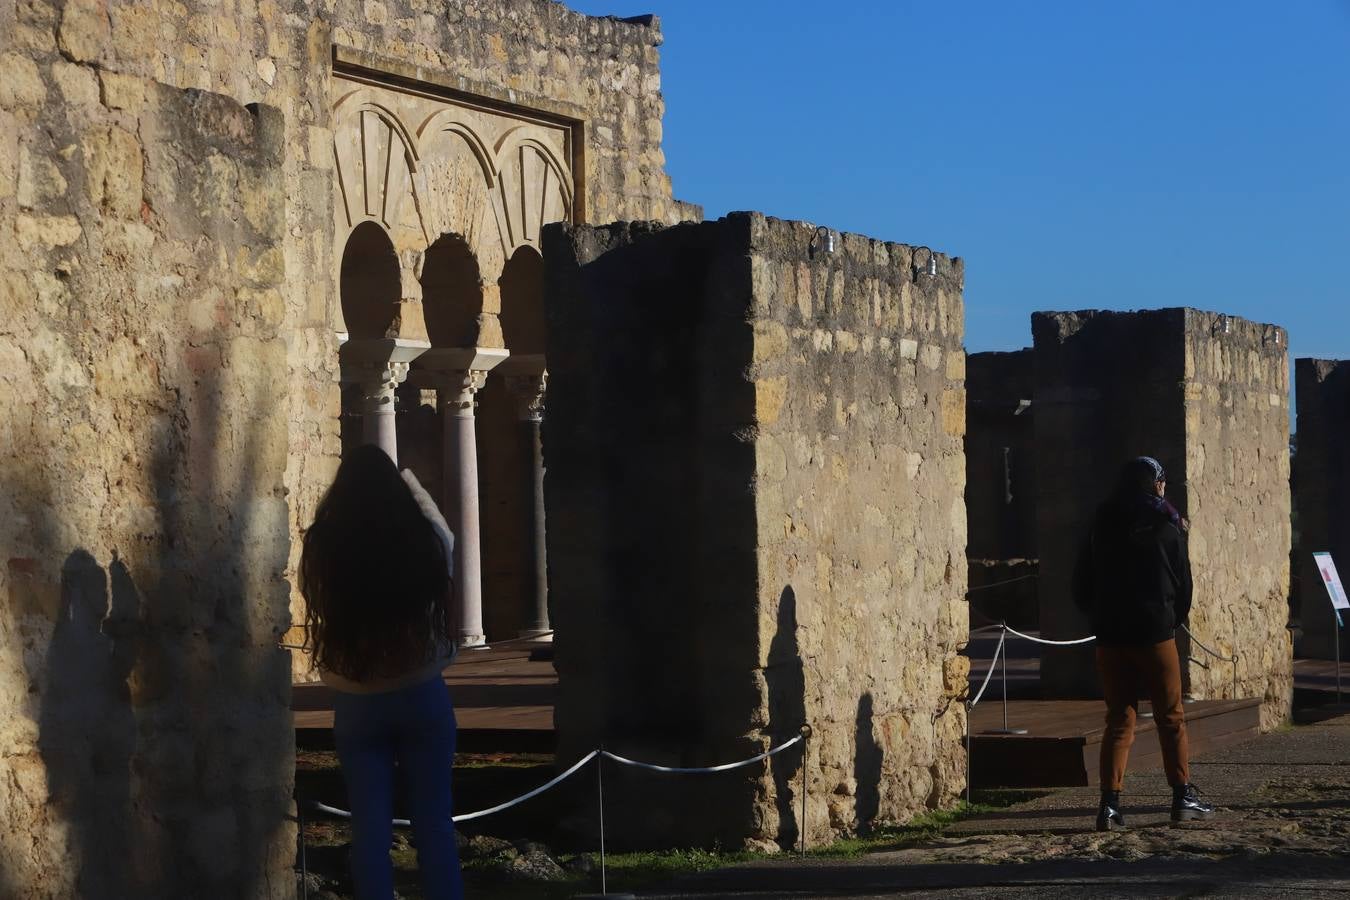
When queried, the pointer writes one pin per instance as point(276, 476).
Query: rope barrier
point(1196, 641)
point(1088, 639)
point(685, 770)
point(992, 585)
point(990, 674)
point(464, 817)
point(345, 814)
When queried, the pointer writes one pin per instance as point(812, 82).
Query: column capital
point(457, 389)
point(457, 373)
point(529, 391)
point(379, 381)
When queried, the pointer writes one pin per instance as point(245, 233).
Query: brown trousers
point(1124, 670)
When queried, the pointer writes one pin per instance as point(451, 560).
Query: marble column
point(458, 374)
point(529, 392)
point(378, 366)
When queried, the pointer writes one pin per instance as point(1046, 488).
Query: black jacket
point(1133, 577)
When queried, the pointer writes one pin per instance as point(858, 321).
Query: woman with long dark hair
point(376, 575)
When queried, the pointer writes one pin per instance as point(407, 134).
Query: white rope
point(1196, 641)
point(993, 663)
point(1091, 637)
point(994, 584)
point(464, 817)
point(680, 770)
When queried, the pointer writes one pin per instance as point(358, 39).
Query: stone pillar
point(379, 366)
point(755, 522)
point(458, 374)
point(529, 391)
point(1208, 395)
point(1321, 495)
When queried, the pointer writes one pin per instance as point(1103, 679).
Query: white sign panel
point(1332, 579)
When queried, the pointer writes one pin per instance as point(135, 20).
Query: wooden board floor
point(1063, 739)
point(503, 700)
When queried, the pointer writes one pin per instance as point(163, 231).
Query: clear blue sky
point(1076, 154)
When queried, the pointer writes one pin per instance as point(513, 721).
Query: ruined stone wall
point(1000, 456)
point(534, 54)
point(1238, 500)
point(756, 520)
point(88, 150)
point(1321, 494)
point(1204, 394)
point(1107, 389)
point(146, 747)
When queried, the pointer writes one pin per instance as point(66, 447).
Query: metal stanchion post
point(806, 751)
point(968, 709)
point(304, 868)
point(1001, 657)
point(1336, 638)
point(600, 789)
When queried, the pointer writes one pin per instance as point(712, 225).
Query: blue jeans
point(414, 727)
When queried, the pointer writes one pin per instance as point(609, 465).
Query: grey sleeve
point(428, 507)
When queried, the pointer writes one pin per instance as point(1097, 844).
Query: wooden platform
point(1064, 739)
point(503, 702)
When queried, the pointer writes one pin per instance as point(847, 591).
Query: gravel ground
point(1282, 830)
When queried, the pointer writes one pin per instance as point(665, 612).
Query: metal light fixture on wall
point(930, 268)
point(822, 241)
point(1272, 336)
point(1222, 325)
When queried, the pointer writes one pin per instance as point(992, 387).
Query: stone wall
point(146, 748)
point(754, 483)
point(1207, 395)
point(221, 414)
point(1321, 494)
point(1000, 466)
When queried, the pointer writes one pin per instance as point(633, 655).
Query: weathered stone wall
point(146, 748)
point(1205, 394)
point(534, 54)
point(1005, 590)
point(1321, 494)
point(1238, 500)
point(756, 520)
point(89, 98)
point(1106, 390)
point(1000, 467)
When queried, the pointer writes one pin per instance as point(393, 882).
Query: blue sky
point(1076, 154)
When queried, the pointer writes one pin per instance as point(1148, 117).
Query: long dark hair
point(373, 573)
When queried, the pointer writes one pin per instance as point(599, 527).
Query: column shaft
point(461, 503)
point(539, 621)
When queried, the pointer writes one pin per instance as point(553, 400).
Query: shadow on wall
point(163, 707)
point(866, 767)
point(787, 713)
point(87, 734)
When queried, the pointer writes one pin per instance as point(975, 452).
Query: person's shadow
point(787, 713)
point(866, 767)
point(87, 728)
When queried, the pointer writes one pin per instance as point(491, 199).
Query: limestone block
point(85, 33)
point(23, 85)
point(113, 170)
point(46, 232)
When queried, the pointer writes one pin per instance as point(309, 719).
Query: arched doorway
point(369, 295)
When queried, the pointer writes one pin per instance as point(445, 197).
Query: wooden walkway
point(503, 702)
point(1063, 739)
